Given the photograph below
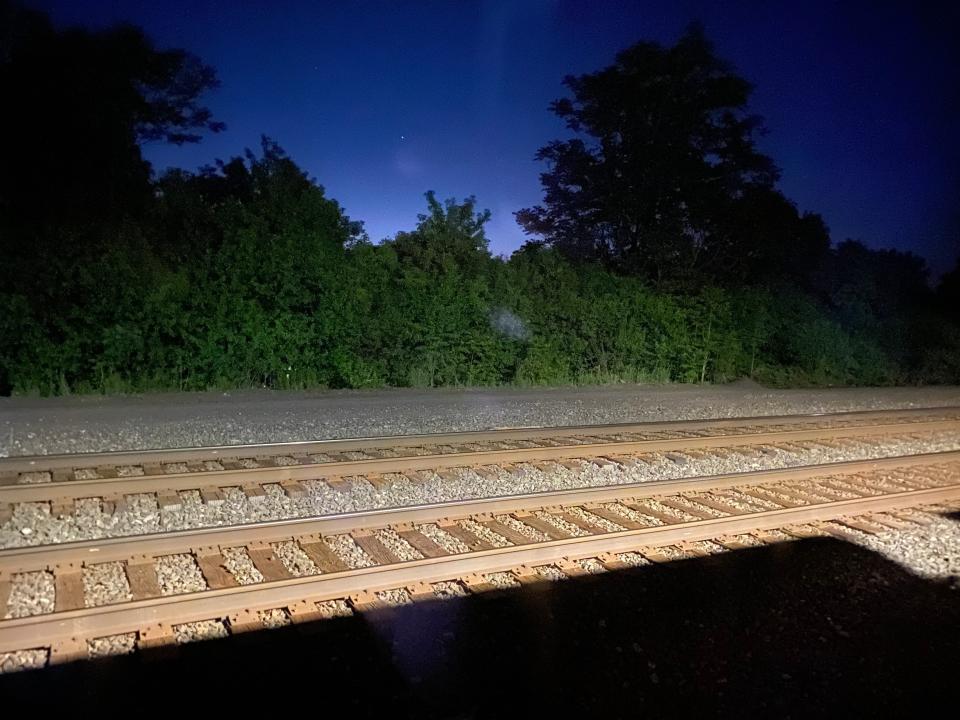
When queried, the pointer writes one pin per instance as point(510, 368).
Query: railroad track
point(302, 570)
point(61, 480)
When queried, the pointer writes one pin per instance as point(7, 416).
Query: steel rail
point(100, 487)
point(28, 463)
point(14, 560)
point(71, 626)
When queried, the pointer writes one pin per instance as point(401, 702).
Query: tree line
point(662, 251)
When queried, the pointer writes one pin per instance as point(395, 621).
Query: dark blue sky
point(383, 101)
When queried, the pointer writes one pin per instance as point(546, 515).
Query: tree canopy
point(662, 167)
point(449, 236)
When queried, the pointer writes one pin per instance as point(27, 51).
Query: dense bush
point(265, 282)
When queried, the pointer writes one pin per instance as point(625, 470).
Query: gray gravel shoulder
point(93, 424)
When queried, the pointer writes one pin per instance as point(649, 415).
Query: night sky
point(383, 101)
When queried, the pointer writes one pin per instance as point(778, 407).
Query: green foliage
point(288, 293)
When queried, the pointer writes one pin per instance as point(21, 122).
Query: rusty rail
point(447, 451)
point(804, 496)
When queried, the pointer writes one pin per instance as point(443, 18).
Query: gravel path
point(32, 524)
point(93, 423)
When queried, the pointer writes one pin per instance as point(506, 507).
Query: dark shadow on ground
point(814, 626)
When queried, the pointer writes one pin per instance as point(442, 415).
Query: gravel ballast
point(448, 542)
point(179, 574)
point(198, 631)
point(34, 426)
point(502, 580)
point(334, 608)
point(276, 618)
point(23, 660)
point(123, 644)
point(349, 552)
point(550, 572)
point(931, 551)
point(239, 564)
point(448, 589)
point(31, 593)
point(104, 584)
point(294, 559)
point(399, 547)
point(395, 597)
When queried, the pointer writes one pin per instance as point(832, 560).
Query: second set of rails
point(61, 479)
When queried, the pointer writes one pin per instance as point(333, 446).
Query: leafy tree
point(449, 236)
point(276, 249)
point(663, 144)
point(445, 267)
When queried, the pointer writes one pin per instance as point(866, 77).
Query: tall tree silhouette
point(763, 239)
point(77, 106)
point(75, 191)
point(664, 144)
point(948, 292)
